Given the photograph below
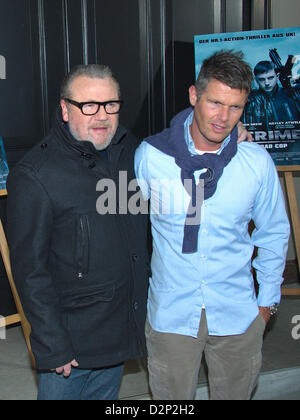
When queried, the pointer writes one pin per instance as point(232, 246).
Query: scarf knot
point(172, 142)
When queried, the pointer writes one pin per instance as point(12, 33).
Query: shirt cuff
point(269, 294)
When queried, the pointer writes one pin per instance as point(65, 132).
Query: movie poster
point(3, 166)
point(272, 113)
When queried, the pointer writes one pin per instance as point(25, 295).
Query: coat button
point(87, 156)
point(135, 306)
point(44, 146)
point(134, 258)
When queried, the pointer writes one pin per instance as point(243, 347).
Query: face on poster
point(272, 113)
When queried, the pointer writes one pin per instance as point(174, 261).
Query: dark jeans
point(95, 384)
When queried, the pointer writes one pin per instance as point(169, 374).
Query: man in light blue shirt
point(204, 189)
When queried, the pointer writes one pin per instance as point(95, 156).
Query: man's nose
point(224, 113)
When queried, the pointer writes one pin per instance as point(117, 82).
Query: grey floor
point(280, 377)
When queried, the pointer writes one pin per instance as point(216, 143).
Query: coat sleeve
point(29, 226)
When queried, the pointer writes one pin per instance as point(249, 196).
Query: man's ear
point(64, 111)
point(193, 95)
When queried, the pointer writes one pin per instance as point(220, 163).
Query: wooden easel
point(292, 201)
point(19, 316)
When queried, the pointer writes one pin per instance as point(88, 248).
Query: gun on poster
point(272, 113)
point(285, 75)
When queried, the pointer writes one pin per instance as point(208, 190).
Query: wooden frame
point(293, 207)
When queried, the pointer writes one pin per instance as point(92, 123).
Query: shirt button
point(203, 257)
point(204, 231)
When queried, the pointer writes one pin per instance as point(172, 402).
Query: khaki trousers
point(234, 362)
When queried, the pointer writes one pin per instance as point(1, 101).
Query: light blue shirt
point(219, 275)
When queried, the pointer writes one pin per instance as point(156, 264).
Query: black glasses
point(92, 108)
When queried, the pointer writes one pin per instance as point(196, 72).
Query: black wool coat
point(82, 277)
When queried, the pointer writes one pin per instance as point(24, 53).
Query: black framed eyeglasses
point(92, 108)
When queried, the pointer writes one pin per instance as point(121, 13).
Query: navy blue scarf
point(172, 142)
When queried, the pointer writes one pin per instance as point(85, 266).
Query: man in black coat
point(81, 269)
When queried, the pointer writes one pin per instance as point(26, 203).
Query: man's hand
point(243, 134)
point(66, 370)
point(265, 313)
